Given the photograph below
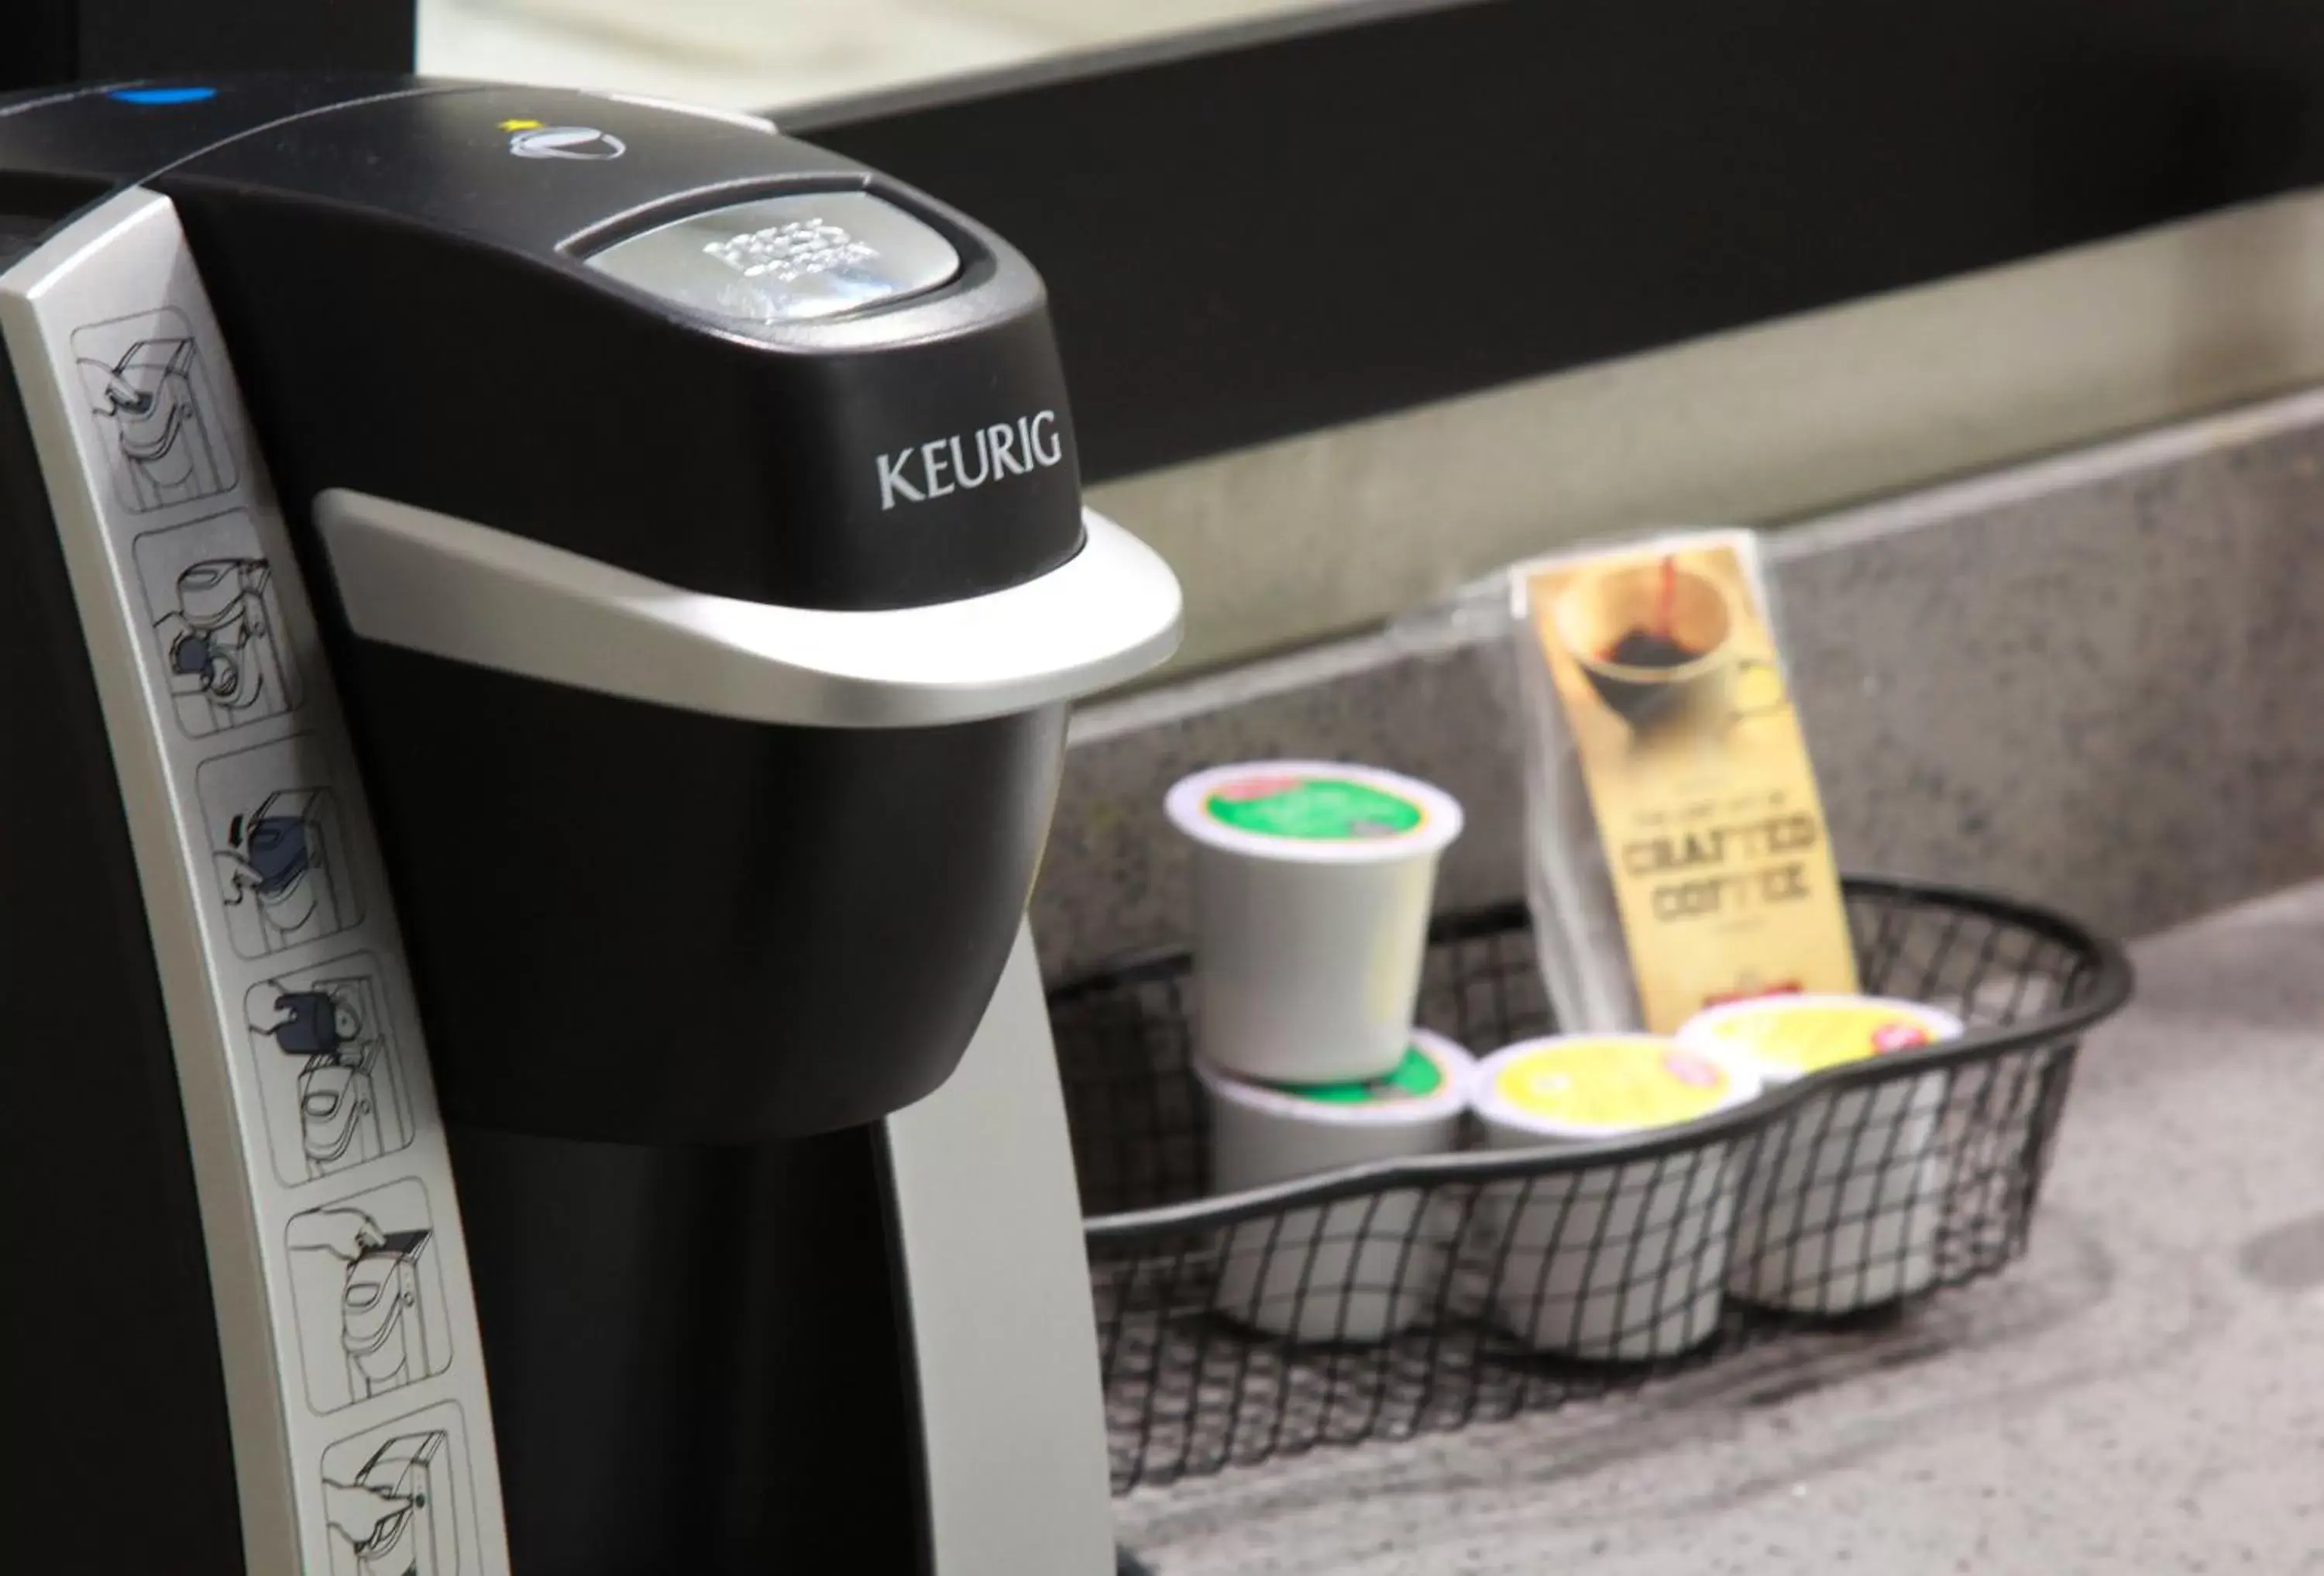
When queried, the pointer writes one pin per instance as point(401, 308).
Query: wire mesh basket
point(1424, 1295)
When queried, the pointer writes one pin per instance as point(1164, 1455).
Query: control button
point(786, 259)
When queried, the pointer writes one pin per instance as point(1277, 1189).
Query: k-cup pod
point(1843, 1203)
point(1625, 1261)
point(1356, 1270)
point(1312, 882)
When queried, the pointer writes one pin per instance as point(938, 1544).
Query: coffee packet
point(1676, 854)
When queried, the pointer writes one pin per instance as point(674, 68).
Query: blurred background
point(747, 53)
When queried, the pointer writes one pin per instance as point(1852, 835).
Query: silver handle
point(1012, 1400)
point(453, 588)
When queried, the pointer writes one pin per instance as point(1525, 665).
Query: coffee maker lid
point(673, 342)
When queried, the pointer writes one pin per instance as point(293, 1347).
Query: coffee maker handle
point(451, 587)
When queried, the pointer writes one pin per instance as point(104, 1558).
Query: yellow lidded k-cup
point(1311, 881)
point(1361, 1269)
point(1788, 1037)
point(1844, 1208)
point(1625, 1261)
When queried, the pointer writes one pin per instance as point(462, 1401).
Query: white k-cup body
point(1626, 1261)
point(1312, 885)
point(1845, 1199)
point(1358, 1271)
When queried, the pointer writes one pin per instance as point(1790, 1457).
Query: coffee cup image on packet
point(1653, 637)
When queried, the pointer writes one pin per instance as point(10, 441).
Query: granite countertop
point(2142, 1393)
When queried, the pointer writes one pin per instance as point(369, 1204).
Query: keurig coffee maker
point(536, 630)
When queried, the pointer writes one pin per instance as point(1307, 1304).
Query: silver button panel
point(786, 259)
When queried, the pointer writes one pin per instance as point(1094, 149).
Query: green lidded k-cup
point(1312, 882)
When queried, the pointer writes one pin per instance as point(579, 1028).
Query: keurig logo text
point(968, 460)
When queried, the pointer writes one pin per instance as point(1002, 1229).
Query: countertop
point(2142, 1393)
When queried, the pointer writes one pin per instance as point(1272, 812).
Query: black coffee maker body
point(539, 627)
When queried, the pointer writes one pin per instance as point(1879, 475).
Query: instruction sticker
point(217, 619)
point(147, 383)
point(330, 1072)
point(278, 846)
point(369, 1295)
point(401, 1498)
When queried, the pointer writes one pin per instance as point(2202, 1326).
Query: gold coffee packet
point(1652, 677)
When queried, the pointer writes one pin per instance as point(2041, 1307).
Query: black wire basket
point(1415, 1295)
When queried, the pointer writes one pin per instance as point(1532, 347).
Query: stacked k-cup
point(1312, 885)
point(1624, 1261)
point(1356, 1270)
point(1846, 1194)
